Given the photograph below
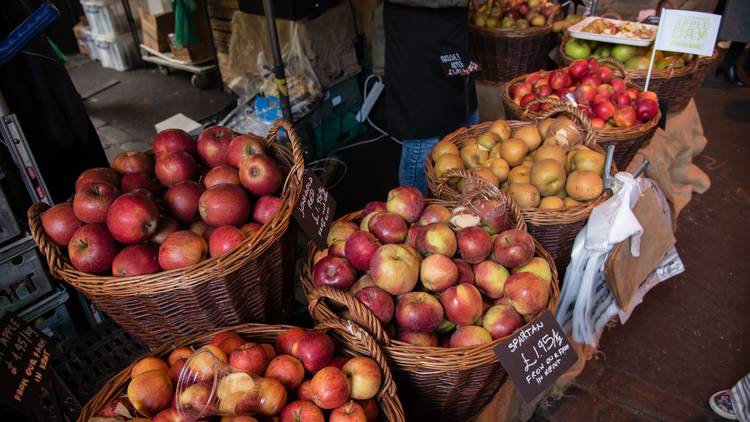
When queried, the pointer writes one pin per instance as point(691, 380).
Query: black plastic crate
point(96, 356)
point(9, 228)
point(23, 276)
point(287, 9)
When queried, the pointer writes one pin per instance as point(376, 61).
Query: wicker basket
point(674, 86)
point(505, 53)
point(244, 285)
point(351, 340)
point(627, 141)
point(435, 383)
point(554, 229)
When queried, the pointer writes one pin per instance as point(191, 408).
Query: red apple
point(437, 238)
point(592, 80)
point(378, 301)
point(150, 392)
point(301, 411)
point(371, 408)
point(220, 175)
point(359, 249)
point(373, 206)
point(224, 205)
point(394, 269)
point(330, 388)
point(621, 99)
point(287, 340)
point(172, 140)
point(604, 110)
point(648, 95)
point(412, 235)
point(462, 304)
point(528, 294)
point(501, 320)
point(348, 412)
point(474, 244)
point(625, 116)
point(465, 272)
point(597, 123)
point(340, 231)
point(164, 227)
point(646, 109)
point(201, 229)
point(260, 174)
point(315, 350)
point(60, 222)
point(519, 89)
point(364, 377)
point(543, 90)
point(266, 208)
point(243, 146)
point(513, 248)
point(419, 311)
point(434, 213)
point(174, 167)
point(249, 228)
point(220, 337)
point(224, 239)
point(490, 278)
point(133, 181)
point(578, 69)
point(132, 162)
point(559, 79)
point(170, 415)
point(605, 91)
point(136, 260)
point(339, 362)
point(470, 335)
point(417, 338)
point(585, 94)
point(406, 201)
point(438, 272)
point(132, 218)
point(388, 227)
point(334, 271)
point(525, 101)
point(182, 200)
point(182, 249)
point(250, 358)
point(117, 408)
point(618, 85)
point(97, 175)
point(604, 73)
point(92, 249)
point(213, 145)
point(288, 370)
point(632, 94)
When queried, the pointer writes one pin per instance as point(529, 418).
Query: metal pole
point(278, 63)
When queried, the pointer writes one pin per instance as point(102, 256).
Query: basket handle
point(361, 339)
point(49, 249)
point(557, 107)
point(619, 67)
point(358, 310)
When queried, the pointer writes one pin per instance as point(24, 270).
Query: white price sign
point(685, 31)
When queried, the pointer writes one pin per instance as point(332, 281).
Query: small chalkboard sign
point(536, 355)
point(455, 65)
point(652, 20)
point(315, 208)
point(25, 354)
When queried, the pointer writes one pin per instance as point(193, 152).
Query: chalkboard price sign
point(454, 64)
point(536, 355)
point(25, 358)
point(315, 208)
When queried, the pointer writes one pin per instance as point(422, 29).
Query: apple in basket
point(288, 370)
point(170, 415)
point(469, 335)
point(92, 249)
point(224, 205)
point(474, 244)
point(348, 412)
point(224, 239)
point(213, 145)
point(513, 248)
point(364, 377)
point(418, 338)
point(260, 174)
point(136, 260)
point(501, 320)
point(465, 272)
point(315, 350)
point(182, 200)
point(132, 162)
point(172, 140)
point(150, 392)
point(378, 301)
point(250, 358)
point(437, 238)
point(133, 181)
point(243, 146)
point(334, 271)
point(60, 222)
point(287, 341)
point(97, 175)
point(490, 278)
point(182, 249)
point(418, 311)
point(388, 227)
point(176, 166)
point(164, 227)
point(528, 294)
point(301, 410)
point(359, 249)
point(132, 218)
point(220, 175)
point(273, 396)
point(266, 207)
point(395, 269)
point(462, 304)
point(438, 272)
point(330, 388)
point(434, 213)
point(406, 201)
point(370, 406)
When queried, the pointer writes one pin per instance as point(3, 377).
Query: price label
point(536, 356)
point(315, 208)
point(454, 64)
point(651, 20)
point(25, 355)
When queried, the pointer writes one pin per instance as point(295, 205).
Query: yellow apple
point(500, 167)
point(501, 128)
point(543, 126)
point(447, 162)
point(551, 203)
point(530, 135)
point(473, 156)
point(571, 203)
point(443, 147)
point(487, 140)
point(548, 176)
point(513, 151)
point(584, 185)
point(525, 195)
point(554, 152)
point(587, 160)
point(520, 174)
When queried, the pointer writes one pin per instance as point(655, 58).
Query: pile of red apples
point(435, 276)
point(195, 199)
point(300, 378)
point(607, 100)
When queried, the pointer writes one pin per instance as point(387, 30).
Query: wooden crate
point(220, 17)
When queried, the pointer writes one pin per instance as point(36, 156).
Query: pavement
point(688, 339)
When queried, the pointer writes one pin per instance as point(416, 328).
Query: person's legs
point(414, 152)
point(740, 396)
point(729, 66)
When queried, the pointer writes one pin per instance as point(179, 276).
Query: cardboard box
point(156, 29)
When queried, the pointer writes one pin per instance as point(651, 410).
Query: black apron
point(421, 102)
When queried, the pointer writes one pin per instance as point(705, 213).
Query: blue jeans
point(414, 152)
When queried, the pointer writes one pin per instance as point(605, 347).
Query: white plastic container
point(88, 38)
point(117, 52)
point(105, 17)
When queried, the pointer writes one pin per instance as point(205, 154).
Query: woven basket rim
point(210, 268)
point(531, 31)
point(387, 397)
point(406, 356)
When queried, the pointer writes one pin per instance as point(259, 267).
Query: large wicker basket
point(435, 383)
point(627, 141)
point(248, 284)
point(504, 53)
point(350, 340)
point(554, 229)
point(675, 86)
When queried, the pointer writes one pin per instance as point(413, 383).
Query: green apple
point(522, 23)
point(490, 22)
point(538, 20)
point(577, 49)
point(623, 53)
point(487, 140)
point(507, 22)
point(537, 266)
point(637, 62)
point(479, 21)
point(602, 51)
